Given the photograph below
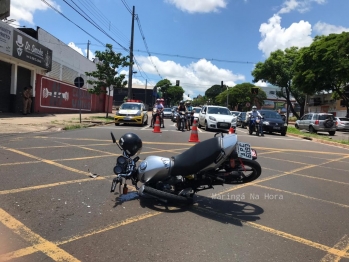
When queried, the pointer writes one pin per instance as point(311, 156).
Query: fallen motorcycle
point(215, 161)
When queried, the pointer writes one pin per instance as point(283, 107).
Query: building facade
point(37, 58)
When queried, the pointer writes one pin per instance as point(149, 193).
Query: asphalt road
point(51, 210)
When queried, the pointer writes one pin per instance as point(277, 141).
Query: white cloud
point(326, 29)
point(78, 49)
point(195, 78)
point(260, 83)
point(275, 37)
point(24, 10)
point(298, 5)
point(198, 6)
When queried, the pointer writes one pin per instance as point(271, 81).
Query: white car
point(196, 112)
point(216, 118)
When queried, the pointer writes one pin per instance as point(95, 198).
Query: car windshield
point(343, 119)
point(235, 113)
point(271, 115)
point(218, 111)
point(197, 109)
point(324, 117)
point(130, 106)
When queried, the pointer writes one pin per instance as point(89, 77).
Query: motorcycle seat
point(197, 157)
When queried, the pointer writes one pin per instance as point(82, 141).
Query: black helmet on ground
point(131, 143)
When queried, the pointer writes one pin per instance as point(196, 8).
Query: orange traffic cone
point(231, 130)
point(157, 126)
point(194, 133)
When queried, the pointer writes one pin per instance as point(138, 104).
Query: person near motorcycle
point(254, 114)
point(181, 107)
point(160, 108)
point(190, 110)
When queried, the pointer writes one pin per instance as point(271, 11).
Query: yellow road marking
point(41, 244)
point(342, 245)
point(290, 161)
point(46, 161)
point(268, 152)
point(320, 178)
point(279, 233)
point(18, 190)
point(277, 176)
point(35, 248)
point(301, 195)
point(262, 180)
point(20, 163)
point(302, 151)
point(62, 146)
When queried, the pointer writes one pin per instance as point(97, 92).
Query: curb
point(320, 141)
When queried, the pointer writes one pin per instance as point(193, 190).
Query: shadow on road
point(224, 211)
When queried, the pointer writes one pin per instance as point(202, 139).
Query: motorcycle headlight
point(212, 118)
point(121, 165)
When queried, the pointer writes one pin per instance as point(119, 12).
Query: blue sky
point(199, 42)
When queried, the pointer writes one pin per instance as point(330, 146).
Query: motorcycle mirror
point(113, 137)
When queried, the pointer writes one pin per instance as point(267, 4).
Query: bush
point(292, 118)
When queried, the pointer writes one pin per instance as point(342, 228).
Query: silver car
point(317, 122)
point(342, 123)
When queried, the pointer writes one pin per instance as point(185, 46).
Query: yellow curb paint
point(41, 244)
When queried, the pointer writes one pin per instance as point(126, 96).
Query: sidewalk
point(17, 123)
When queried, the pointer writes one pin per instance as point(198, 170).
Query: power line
point(94, 24)
point(127, 7)
point(145, 43)
point(93, 9)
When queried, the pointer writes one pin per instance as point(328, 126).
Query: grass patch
point(295, 131)
point(71, 127)
point(105, 119)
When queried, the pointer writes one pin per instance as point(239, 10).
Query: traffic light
point(254, 90)
point(177, 82)
point(221, 84)
point(133, 96)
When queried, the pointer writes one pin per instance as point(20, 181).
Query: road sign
point(79, 82)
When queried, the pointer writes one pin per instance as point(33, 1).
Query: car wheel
point(296, 126)
point(283, 133)
point(331, 133)
point(117, 124)
point(206, 127)
point(312, 130)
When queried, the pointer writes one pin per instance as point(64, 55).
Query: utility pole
point(130, 73)
point(88, 48)
point(145, 92)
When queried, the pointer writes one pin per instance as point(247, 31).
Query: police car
point(131, 112)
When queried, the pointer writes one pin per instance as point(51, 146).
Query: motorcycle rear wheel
point(249, 166)
point(167, 196)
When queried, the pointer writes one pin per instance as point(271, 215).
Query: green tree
point(324, 66)
point(175, 93)
point(278, 70)
point(106, 76)
point(240, 94)
point(214, 91)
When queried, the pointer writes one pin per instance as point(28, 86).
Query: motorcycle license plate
point(244, 150)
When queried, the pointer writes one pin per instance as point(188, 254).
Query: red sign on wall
point(59, 95)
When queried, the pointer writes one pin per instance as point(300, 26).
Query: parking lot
point(52, 210)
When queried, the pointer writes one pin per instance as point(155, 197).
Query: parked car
point(273, 122)
point(235, 113)
point(216, 118)
point(241, 119)
point(317, 122)
point(167, 113)
point(131, 113)
point(196, 112)
point(342, 123)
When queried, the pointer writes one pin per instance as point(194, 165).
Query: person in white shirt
point(254, 114)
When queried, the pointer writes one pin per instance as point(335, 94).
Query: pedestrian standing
point(30, 96)
point(25, 96)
